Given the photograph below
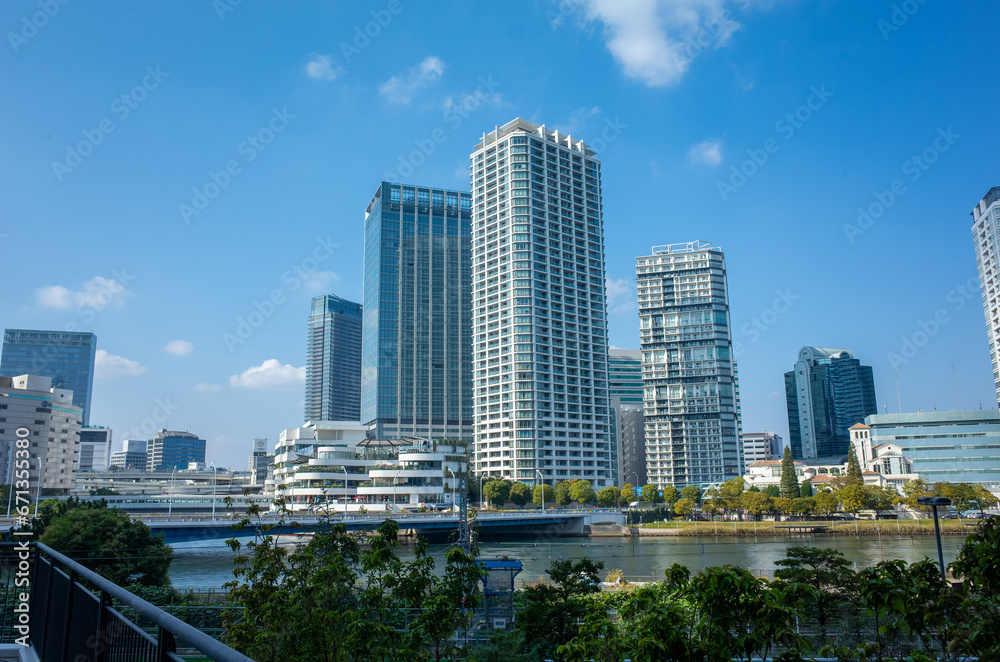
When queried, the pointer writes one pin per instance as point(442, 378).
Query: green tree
point(756, 503)
point(628, 493)
point(548, 491)
point(982, 499)
point(806, 489)
point(773, 491)
point(496, 492)
point(853, 499)
point(826, 503)
point(651, 494)
point(854, 474)
point(684, 507)
point(608, 497)
point(789, 479)
point(520, 494)
point(691, 493)
point(562, 493)
point(912, 491)
point(581, 492)
point(978, 565)
point(552, 612)
point(803, 505)
point(783, 506)
point(825, 570)
point(730, 493)
point(111, 544)
point(881, 499)
point(670, 494)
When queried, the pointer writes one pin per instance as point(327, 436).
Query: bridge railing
point(71, 614)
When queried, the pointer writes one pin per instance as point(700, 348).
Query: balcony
point(65, 619)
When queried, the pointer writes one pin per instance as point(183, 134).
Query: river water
point(205, 566)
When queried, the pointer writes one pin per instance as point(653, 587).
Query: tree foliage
point(670, 494)
point(562, 493)
point(691, 493)
point(789, 479)
point(552, 611)
point(581, 492)
point(854, 473)
point(608, 497)
point(806, 489)
point(651, 494)
point(496, 492)
point(548, 500)
point(520, 494)
point(628, 493)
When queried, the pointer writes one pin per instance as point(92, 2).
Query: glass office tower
point(539, 307)
point(628, 438)
point(333, 360)
point(826, 393)
point(65, 356)
point(416, 362)
point(691, 397)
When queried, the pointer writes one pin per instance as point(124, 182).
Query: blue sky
point(169, 169)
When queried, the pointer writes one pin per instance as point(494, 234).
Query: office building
point(416, 377)
point(132, 456)
point(260, 462)
point(95, 449)
point(64, 356)
point(761, 446)
point(539, 308)
point(628, 439)
point(986, 237)
point(938, 446)
point(690, 400)
point(169, 449)
point(333, 360)
point(41, 419)
point(826, 393)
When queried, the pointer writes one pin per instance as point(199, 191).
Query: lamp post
point(395, 476)
point(934, 502)
point(170, 507)
point(215, 485)
point(345, 489)
point(541, 484)
point(38, 488)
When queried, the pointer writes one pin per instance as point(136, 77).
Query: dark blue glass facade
point(170, 450)
point(65, 356)
point(416, 375)
point(333, 360)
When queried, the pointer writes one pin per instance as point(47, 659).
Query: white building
point(95, 449)
point(986, 237)
point(31, 409)
point(759, 446)
point(418, 478)
point(690, 398)
point(539, 308)
point(132, 456)
point(768, 472)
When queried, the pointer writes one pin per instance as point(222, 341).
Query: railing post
point(46, 609)
point(103, 620)
point(69, 617)
point(164, 644)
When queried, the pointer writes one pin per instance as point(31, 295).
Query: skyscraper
point(65, 356)
point(986, 237)
point(416, 376)
point(826, 393)
point(333, 360)
point(170, 450)
point(539, 307)
point(691, 400)
point(628, 438)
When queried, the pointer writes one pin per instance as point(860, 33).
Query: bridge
point(492, 525)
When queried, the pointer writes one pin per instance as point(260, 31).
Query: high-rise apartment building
point(43, 421)
point(691, 398)
point(174, 450)
point(333, 360)
point(986, 237)
point(539, 308)
point(628, 438)
point(67, 357)
point(826, 393)
point(416, 377)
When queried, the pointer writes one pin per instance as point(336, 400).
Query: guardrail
point(71, 615)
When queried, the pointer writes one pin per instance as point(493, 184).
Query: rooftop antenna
point(955, 378)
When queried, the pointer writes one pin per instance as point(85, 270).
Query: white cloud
point(322, 67)
point(401, 89)
point(578, 120)
point(655, 41)
point(707, 153)
point(97, 293)
point(319, 282)
point(272, 375)
point(178, 347)
point(621, 296)
point(202, 386)
point(111, 365)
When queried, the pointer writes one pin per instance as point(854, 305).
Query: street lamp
point(395, 476)
point(215, 485)
point(345, 489)
point(542, 484)
point(934, 502)
point(170, 507)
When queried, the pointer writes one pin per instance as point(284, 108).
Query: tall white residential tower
point(690, 399)
point(539, 308)
point(986, 235)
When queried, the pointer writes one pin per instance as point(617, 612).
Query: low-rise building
point(428, 477)
point(95, 449)
point(132, 456)
point(761, 446)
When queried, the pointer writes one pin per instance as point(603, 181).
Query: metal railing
point(72, 615)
